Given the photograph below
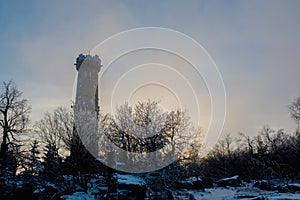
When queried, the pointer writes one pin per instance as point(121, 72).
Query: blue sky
point(254, 43)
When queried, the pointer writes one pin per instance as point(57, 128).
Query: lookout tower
point(86, 108)
point(88, 68)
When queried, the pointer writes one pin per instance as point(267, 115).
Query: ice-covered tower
point(86, 106)
point(88, 68)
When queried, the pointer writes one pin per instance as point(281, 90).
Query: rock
point(192, 183)
point(160, 195)
point(77, 195)
point(26, 191)
point(263, 185)
point(293, 188)
point(258, 198)
point(50, 191)
point(191, 197)
point(232, 182)
point(207, 182)
point(131, 187)
point(252, 197)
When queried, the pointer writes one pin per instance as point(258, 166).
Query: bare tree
point(56, 129)
point(151, 139)
point(14, 117)
point(146, 128)
point(295, 111)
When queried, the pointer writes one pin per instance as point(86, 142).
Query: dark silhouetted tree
point(56, 129)
point(34, 162)
point(14, 118)
point(52, 164)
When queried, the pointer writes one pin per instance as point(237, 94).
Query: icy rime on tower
point(86, 99)
point(88, 68)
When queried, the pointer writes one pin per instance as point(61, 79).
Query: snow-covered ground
point(242, 193)
point(130, 179)
point(247, 191)
point(216, 193)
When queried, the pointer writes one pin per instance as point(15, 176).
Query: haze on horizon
point(254, 44)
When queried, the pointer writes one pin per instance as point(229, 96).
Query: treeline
point(272, 155)
point(269, 155)
point(33, 155)
point(57, 155)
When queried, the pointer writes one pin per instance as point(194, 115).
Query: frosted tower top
point(90, 61)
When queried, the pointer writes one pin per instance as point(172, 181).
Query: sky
point(255, 45)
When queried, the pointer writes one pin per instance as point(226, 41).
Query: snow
point(295, 184)
point(130, 179)
point(215, 194)
point(193, 179)
point(38, 190)
point(20, 184)
point(246, 192)
point(78, 195)
point(78, 188)
point(228, 179)
point(286, 197)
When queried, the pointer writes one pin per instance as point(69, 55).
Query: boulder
point(49, 191)
point(207, 182)
point(192, 183)
point(160, 195)
point(24, 191)
point(131, 187)
point(233, 181)
point(293, 188)
point(263, 185)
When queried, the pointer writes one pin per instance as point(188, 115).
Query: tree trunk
point(4, 146)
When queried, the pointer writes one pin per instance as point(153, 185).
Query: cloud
point(51, 54)
point(255, 44)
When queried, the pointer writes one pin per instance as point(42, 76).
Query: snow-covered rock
point(233, 181)
point(130, 180)
point(207, 182)
point(77, 195)
point(131, 186)
point(191, 183)
point(263, 185)
point(293, 187)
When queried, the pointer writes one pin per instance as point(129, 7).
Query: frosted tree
point(295, 111)
point(56, 129)
point(144, 136)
